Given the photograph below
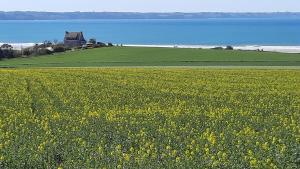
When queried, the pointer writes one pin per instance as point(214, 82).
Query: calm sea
point(185, 32)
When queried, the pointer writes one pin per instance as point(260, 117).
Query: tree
point(100, 44)
point(7, 53)
point(55, 41)
point(6, 46)
point(26, 52)
point(47, 43)
point(229, 48)
point(1, 54)
point(93, 41)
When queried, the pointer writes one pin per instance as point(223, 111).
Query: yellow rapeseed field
point(149, 118)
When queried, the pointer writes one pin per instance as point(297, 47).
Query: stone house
point(74, 39)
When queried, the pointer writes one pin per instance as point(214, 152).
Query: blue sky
point(152, 5)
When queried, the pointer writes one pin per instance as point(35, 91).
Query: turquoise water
point(185, 32)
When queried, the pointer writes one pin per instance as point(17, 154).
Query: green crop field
point(133, 56)
point(149, 118)
point(179, 117)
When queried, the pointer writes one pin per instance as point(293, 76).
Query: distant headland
point(34, 15)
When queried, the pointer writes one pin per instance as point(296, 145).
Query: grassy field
point(149, 118)
point(132, 56)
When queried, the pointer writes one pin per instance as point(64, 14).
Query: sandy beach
point(19, 46)
point(281, 49)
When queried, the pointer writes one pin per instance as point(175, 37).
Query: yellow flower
point(174, 152)
point(253, 163)
point(177, 159)
point(127, 157)
point(265, 146)
point(212, 138)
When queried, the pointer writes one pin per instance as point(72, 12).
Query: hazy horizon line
point(155, 11)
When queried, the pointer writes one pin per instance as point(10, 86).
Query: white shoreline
point(280, 49)
point(19, 46)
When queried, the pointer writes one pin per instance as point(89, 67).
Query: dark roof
point(73, 35)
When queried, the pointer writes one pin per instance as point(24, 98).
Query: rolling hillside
point(134, 56)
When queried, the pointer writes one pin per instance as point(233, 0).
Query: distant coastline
point(34, 15)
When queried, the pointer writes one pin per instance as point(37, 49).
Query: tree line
point(46, 48)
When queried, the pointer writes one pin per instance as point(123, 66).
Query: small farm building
point(74, 39)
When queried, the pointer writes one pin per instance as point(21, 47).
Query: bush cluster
point(7, 51)
point(221, 48)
